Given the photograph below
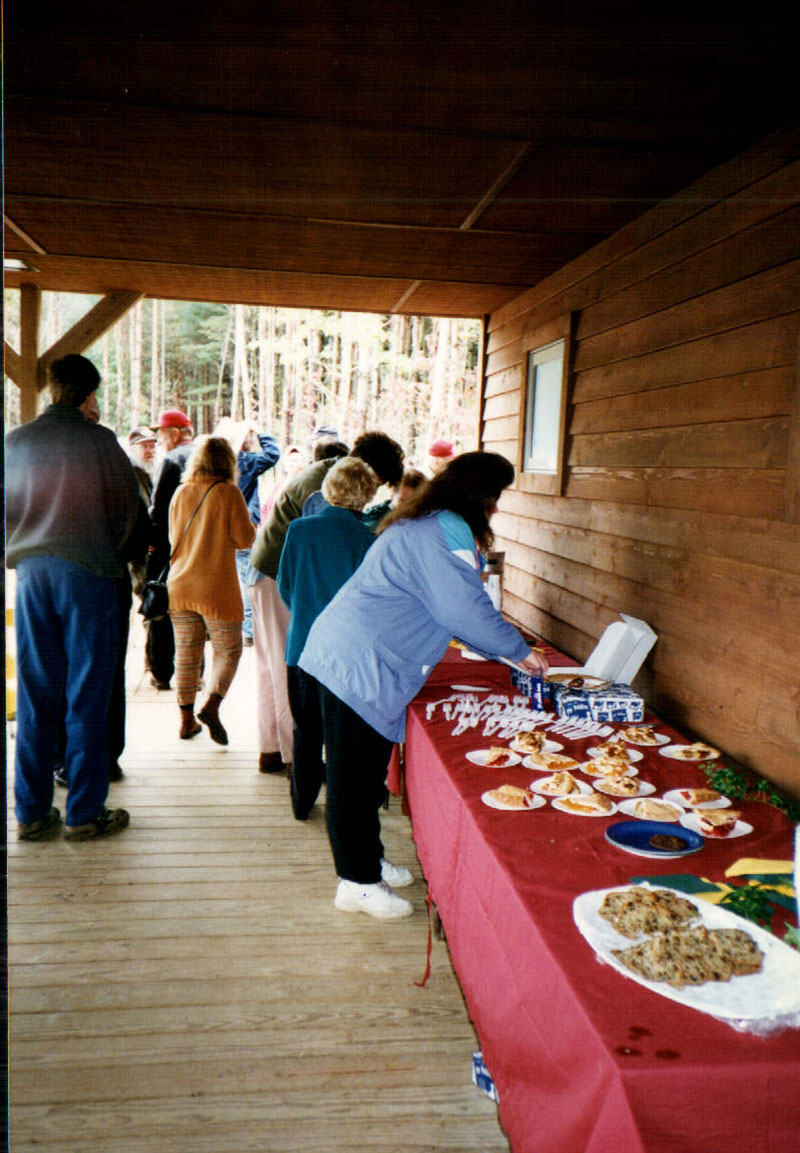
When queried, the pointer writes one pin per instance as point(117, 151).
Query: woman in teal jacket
point(319, 554)
point(373, 646)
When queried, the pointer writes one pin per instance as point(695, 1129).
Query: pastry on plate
point(589, 803)
point(622, 786)
point(699, 796)
point(716, 822)
point(614, 749)
point(497, 755)
point(512, 797)
point(529, 741)
point(559, 785)
point(639, 734)
point(608, 765)
point(551, 761)
point(696, 752)
point(649, 810)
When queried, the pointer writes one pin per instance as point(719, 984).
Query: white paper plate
point(493, 803)
point(659, 739)
point(774, 992)
point(557, 804)
point(644, 790)
point(470, 688)
point(590, 768)
point(628, 807)
point(674, 795)
point(674, 753)
point(692, 821)
point(468, 655)
point(548, 747)
point(559, 762)
point(478, 757)
point(632, 754)
point(582, 787)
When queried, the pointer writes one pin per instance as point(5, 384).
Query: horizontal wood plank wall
point(680, 502)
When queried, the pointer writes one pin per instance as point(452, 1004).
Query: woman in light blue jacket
point(373, 646)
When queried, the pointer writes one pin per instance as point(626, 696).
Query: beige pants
point(270, 626)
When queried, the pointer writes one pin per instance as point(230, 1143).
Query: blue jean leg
point(242, 565)
point(67, 641)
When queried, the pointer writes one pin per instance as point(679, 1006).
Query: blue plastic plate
point(634, 837)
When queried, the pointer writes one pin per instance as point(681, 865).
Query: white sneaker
point(395, 875)
point(376, 900)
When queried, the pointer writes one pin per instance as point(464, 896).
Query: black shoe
point(162, 686)
point(270, 763)
point(60, 777)
point(115, 773)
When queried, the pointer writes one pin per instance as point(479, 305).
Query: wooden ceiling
point(412, 157)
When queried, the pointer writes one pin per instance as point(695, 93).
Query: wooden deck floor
point(188, 986)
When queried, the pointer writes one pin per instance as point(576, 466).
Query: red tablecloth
point(585, 1061)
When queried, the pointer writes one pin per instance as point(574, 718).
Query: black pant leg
point(308, 769)
point(357, 758)
point(160, 649)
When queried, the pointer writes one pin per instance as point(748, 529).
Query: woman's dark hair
point(470, 485)
point(382, 454)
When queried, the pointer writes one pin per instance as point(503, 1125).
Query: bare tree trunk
point(154, 363)
point(135, 347)
point(221, 377)
point(241, 374)
point(119, 353)
point(106, 390)
point(437, 414)
point(346, 375)
point(162, 392)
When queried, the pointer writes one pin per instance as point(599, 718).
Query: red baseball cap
point(441, 447)
point(173, 418)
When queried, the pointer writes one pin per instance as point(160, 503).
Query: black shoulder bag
point(155, 598)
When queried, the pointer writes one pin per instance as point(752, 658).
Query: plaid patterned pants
point(191, 631)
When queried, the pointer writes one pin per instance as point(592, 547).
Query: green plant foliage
point(750, 901)
point(745, 785)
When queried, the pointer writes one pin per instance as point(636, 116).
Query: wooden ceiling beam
point(88, 329)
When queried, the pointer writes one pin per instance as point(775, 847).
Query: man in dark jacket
point(176, 434)
point(71, 502)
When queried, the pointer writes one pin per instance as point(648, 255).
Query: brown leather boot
point(209, 715)
point(189, 726)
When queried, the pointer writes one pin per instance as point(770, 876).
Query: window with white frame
point(546, 387)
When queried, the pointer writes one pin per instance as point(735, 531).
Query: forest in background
point(286, 370)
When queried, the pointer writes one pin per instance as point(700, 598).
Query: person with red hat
point(176, 435)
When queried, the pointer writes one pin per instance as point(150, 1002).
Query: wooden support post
point(30, 310)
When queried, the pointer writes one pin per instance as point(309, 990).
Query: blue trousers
point(67, 643)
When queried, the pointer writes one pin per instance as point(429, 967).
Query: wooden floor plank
point(188, 985)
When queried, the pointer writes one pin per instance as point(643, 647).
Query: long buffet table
point(584, 1059)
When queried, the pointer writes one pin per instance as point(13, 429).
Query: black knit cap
point(76, 375)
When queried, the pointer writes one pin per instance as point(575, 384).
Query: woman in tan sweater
point(208, 522)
